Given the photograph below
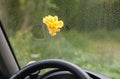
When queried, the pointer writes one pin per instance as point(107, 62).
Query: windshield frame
point(9, 62)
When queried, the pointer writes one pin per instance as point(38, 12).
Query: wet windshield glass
point(87, 32)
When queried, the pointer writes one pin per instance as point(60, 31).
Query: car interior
point(63, 69)
point(59, 39)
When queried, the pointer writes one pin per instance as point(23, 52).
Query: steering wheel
point(51, 63)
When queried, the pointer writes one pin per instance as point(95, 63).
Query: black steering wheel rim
point(51, 63)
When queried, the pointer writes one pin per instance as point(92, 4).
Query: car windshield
point(84, 32)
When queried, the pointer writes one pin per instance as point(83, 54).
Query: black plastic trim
point(8, 42)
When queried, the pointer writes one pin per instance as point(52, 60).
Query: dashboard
point(59, 74)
